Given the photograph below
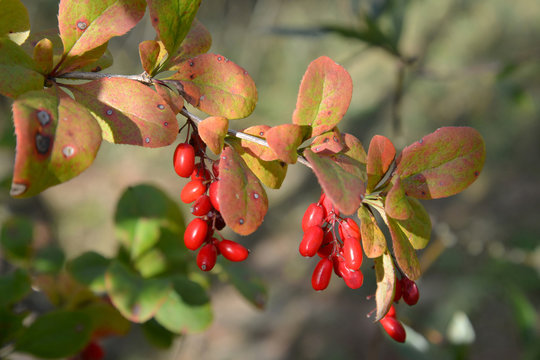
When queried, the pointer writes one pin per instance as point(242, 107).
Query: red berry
point(391, 312)
point(213, 193)
point(195, 233)
point(192, 191)
point(232, 250)
point(321, 275)
point(207, 256)
point(328, 205)
point(92, 351)
point(352, 252)
point(394, 328)
point(327, 246)
point(353, 279)
point(312, 240)
point(200, 173)
point(409, 291)
point(314, 216)
point(397, 292)
point(201, 206)
point(215, 168)
point(184, 160)
point(349, 228)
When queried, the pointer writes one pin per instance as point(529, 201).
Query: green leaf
point(250, 287)
point(373, 239)
point(442, 164)
point(343, 188)
point(106, 320)
point(146, 234)
point(151, 263)
point(354, 148)
point(12, 324)
point(128, 112)
point(324, 96)
point(284, 140)
point(152, 54)
point(43, 55)
point(403, 251)
point(187, 308)
point(397, 204)
point(103, 62)
point(16, 238)
point(157, 335)
point(89, 269)
point(212, 131)
point(417, 227)
point(264, 153)
point(350, 165)
point(86, 25)
point(172, 20)
point(136, 298)
point(14, 287)
point(50, 151)
point(381, 153)
point(243, 201)
point(18, 72)
point(328, 143)
point(217, 86)
point(384, 273)
point(14, 20)
point(49, 260)
point(57, 334)
point(197, 42)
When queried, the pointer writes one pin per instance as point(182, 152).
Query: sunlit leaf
point(373, 239)
point(14, 20)
point(152, 54)
point(43, 55)
point(217, 86)
point(350, 165)
point(18, 72)
point(128, 112)
point(243, 200)
point(212, 131)
point(103, 62)
point(263, 152)
point(442, 163)
point(417, 227)
point(397, 204)
point(403, 251)
point(343, 188)
point(284, 140)
point(381, 153)
point(384, 272)
point(354, 148)
point(324, 96)
point(175, 101)
point(197, 42)
point(329, 142)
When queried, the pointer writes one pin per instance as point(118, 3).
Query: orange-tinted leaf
point(172, 20)
point(243, 201)
point(78, 62)
point(324, 96)
point(381, 153)
point(92, 64)
point(329, 142)
point(128, 112)
point(397, 204)
point(442, 164)
point(175, 101)
point(36, 37)
point(14, 21)
point(373, 240)
point(152, 54)
point(57, 139)
point(217, 86)
point(384, 273)
point(43, 55)
point(262, 152)
point(197, 42)
point(284, 141)
point(344, 189)
point(403, 251)
point(351, 166)
point(417, 228)
point(354, 148)
point(18, 72)
point(212, 131)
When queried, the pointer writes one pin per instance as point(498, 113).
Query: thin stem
point(77, 75)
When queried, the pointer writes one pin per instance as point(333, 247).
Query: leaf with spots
point(343, 188)
point(198, 41)
point(57, 139)
point(175, 101)
point(152, 54)
point(242, 199)
point(284, 140)
point(217, 86)
point(264, 153)
point(324, 96)
point(380, 155)
point(271, 173)
point(172, 20)
point(128, 112)
point(354, 148)
point(384, 273)
point(14, 21)
point(212, 131)
point(87, 25)
point(373, 239)
point(442, 164)
point(136, 298)
point(18, 72)
point(327, 143)
point(403, 251)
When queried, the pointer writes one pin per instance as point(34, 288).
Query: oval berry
point(409, 291)
point(232, 250)
point(391, 312)
point(192, 191)
point(201, 206)
point(184, 160)
point(349, 228)
point(321, 275)
point(394, 328)
point(92, 351)
point(207, 256)
point(397, 291)
point(314, 216)
point(195, 233)
point(327, 246)
point(311, 242)
point(328, 206)
point(215, 168)
point(200, 173)
point(353, 279)
point(352, 252)
point(213, 193)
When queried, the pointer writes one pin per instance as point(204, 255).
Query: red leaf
point(354, 148)
point(212, 131)
point(152, 54)
point(242, 199)
point(442, 164)
point(128, 111)
point(329, 142)
point(175, 101)
point(197, 42)
point(284, 141)
point(381, 153)
point(324, 96)
point(217, 86)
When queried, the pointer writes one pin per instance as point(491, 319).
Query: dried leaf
point(384, 272)
point(373, 239)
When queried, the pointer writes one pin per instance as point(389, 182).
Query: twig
point(77, 75)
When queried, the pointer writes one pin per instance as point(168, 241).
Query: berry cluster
point(189, 160)
point(342, 254)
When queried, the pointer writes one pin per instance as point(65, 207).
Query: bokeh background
point(474, 63)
